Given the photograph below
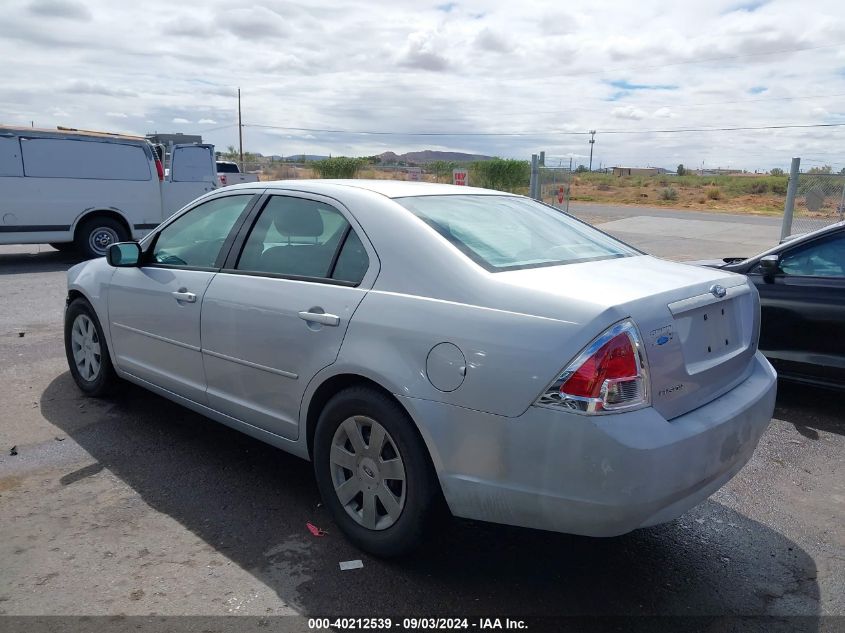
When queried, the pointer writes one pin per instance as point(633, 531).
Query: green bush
point(338, 167)
point(669, 193)
point(714, 194)
point(779, 188)
point(759, 187)
point(500, 174)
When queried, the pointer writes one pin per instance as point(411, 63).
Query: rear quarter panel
point(510, 357)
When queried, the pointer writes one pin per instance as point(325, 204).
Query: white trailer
point(73, 188)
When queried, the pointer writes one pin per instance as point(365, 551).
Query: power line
point(546, 133)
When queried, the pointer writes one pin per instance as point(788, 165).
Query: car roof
point(388, 188)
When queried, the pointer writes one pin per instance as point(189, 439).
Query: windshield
point(507, 233)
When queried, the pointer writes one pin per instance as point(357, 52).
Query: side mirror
point(769, 265)
point(124, 254)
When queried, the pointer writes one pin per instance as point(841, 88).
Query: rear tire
point(376, 509)
point(95, 235)
point(87, 351)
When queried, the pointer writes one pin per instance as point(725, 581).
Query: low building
point(635, 171)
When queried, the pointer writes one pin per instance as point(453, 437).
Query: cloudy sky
point(469, 71)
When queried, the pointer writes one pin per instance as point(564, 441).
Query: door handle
point(183, 295)
point(331, 320)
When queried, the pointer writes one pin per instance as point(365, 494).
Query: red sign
point(560, 195)
point(460, 177)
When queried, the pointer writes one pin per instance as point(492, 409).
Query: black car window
point(294, 236)
point(194, 239)
point(822, 258)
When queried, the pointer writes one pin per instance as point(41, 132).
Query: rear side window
point(302, 238)
point(10, 156)
point(71, 158)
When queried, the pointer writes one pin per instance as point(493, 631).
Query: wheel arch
point(107, 212)
point(330, 385)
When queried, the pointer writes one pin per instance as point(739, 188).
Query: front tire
point(95, 235)
point(87, 352)
point(374, 472)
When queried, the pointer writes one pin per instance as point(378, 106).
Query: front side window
point(303, 238)
point(94, 159)
point(508, 233)
point(824, 258)
point(195, 238)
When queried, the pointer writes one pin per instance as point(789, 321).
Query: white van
point(87, 190)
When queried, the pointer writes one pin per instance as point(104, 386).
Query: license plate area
point(711, 333)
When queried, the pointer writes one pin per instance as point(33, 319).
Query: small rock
point(13, 451)
point(21, 334)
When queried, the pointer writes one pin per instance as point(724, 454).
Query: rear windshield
point(507, 233)
point(227, 168)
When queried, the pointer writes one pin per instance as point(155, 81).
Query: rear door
point(193, 172)
point(803, 310)
point(154, 310)
point(278, 312)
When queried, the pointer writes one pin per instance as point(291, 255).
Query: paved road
point(135, 505)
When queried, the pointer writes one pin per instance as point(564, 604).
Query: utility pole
point(240, 131)
point(592, 141)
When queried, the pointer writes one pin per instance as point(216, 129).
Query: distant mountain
point(302, 157)
point(429, 156)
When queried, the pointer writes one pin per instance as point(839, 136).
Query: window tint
point(824, 258)
point(506, 232)
point(352, 263)
point(10, 156)
point(294, 236)
point(195, 238)
point(192, 164)
point(68, 158)
point(227, 168)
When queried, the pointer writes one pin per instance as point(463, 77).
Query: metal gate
point(551, 185)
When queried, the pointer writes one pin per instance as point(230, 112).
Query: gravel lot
point(138, 506)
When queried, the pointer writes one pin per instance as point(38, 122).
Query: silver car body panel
point(498, 457)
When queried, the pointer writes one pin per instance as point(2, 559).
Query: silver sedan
point(430, 347)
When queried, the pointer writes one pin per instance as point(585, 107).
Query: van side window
point(71, 158)
point(10, 156)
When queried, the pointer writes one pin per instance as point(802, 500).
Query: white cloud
point(628, 112)
point(117, 115)
point(179, 119)
point(664, 113)
point(207, 121)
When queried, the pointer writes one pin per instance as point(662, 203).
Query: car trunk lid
point(699, 326)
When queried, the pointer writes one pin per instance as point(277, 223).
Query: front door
point(278, 313)
point(154, 310)
point(803, 311)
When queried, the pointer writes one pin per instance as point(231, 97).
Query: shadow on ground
point(810, 409)
point(45, 262)
point(251, 502)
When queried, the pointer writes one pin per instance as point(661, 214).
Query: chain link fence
point(814, 200)
point(555, 186)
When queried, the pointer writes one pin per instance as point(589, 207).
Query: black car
point(802, 294)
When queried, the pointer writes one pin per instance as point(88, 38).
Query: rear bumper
point(596, 476)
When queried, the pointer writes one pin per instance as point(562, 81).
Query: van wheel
point(374, 472)
point(95, 235)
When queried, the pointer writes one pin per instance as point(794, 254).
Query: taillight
point(159, 169)
point(223, 179)
point(609, 375)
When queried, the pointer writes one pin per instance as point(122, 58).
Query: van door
point(193, 172)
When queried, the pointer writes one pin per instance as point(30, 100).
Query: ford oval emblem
point(663, 340)
point(718, 291)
